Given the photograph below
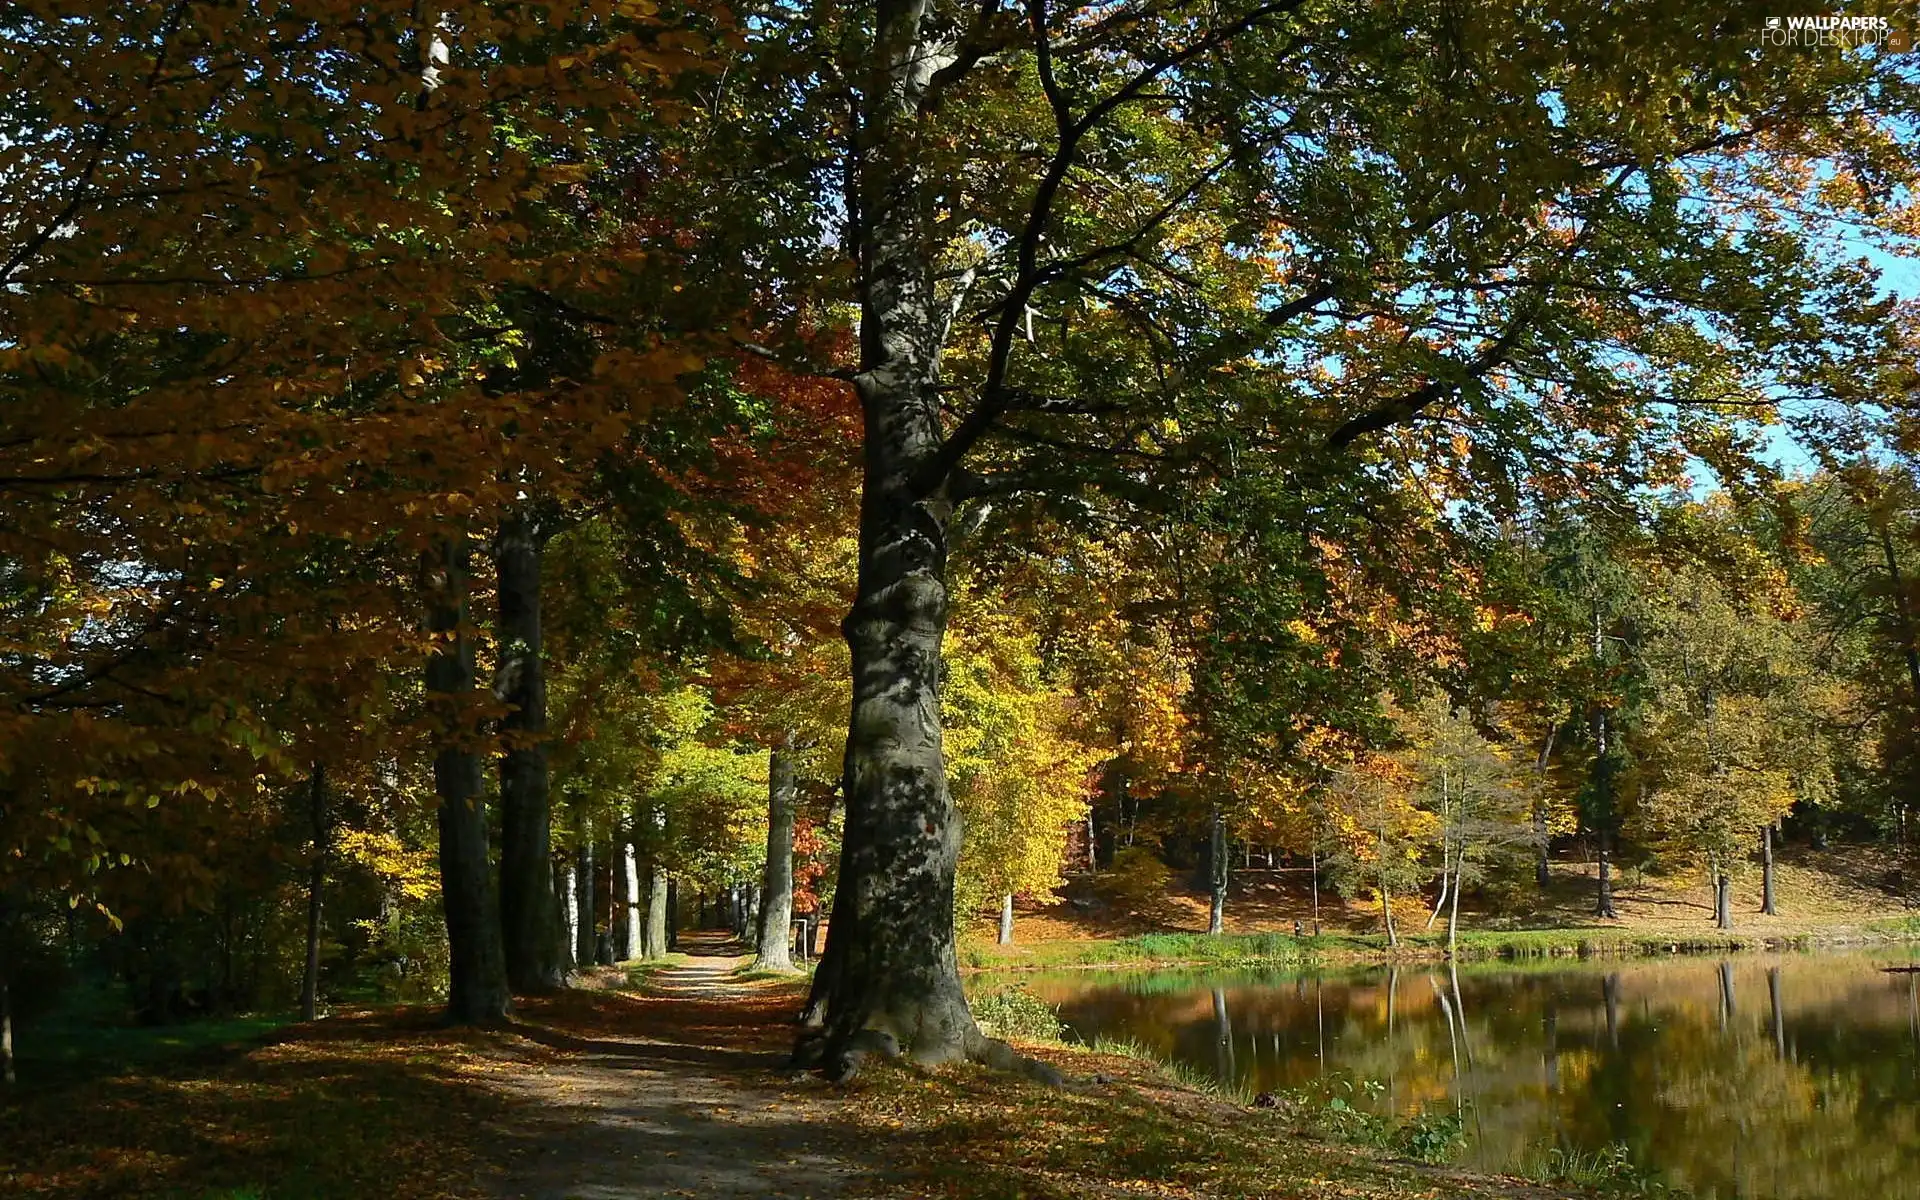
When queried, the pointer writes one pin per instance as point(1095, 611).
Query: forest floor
point(1847, 893)
point(677, 1089)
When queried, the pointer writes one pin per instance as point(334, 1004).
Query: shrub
point(1016, 1013)
point(1137, 879)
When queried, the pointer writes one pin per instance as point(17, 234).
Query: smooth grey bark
point(626, 900)
point(1223, 1037)
point(567, 902)
point(1453, 912)
point(477, 977)
point(774, 936)
point(1316, 890)
point(1006, 919)
point(322, 831)
point(1722, 899)
point(654, 939)
point(1766, 870)
point(583, 901)
point(1217, 866)
point(528, 923)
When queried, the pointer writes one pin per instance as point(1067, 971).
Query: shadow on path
point(678, 1092)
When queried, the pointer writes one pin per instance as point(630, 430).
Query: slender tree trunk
point(8, 1076)
point(1440, 901)
point(1726, 993)
point(1603, 906)
point(1541, 839)
point(673, 914)
point(1315, 857)
point(1217, 870)
point(7, 1073)
point(567, 900)
point(1766, 870)
point(775, 935)
point(1223, 1037)
point(1610, 992)
point(1386, 912)
point(527, 920)
point(477, 977)
point(1453, 911)
point(1779, 1025)
point(1006, 919)
point(316, 883)
point(1722, 899)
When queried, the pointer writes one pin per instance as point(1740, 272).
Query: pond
point(1769, 1077)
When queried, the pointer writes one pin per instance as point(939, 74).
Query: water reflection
point(1810, 1094)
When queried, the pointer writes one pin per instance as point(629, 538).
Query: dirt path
point(673, 1095)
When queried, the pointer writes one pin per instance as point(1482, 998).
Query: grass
point(1281, 949)
point(1139, 1129)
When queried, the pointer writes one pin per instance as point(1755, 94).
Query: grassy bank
point(1284, 949)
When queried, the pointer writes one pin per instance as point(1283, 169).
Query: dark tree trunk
point(673, 914)
point(477, 978)
point(1603, 904)
point(1722, 899)
point(890, 977)
point(1766, 870)
point(1779, 1025)
point(1610, 991)
point(1315, 853)
point(775, 934)
point(1541, 877)
point(1217, 873)
point(7, 1072)
point(528, 922)
point(316, 883)
point(1902, 607)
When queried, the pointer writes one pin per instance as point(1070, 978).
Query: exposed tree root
point(813, 1052)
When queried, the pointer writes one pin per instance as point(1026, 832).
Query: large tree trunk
point(1217, 873)
point(529, 926)
point(583, 948)
point(890, 980)
point(655, 941)
point(1766, 870)
point(626, 901)
point(774, 937)
point(477, 977)
point(316, 883)
point(1722, 899)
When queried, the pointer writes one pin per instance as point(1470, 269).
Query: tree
point(1018, 768)
point(1467, 785)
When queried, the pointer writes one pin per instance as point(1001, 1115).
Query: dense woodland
point(486, 486)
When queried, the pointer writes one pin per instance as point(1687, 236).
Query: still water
point(1782, 1078)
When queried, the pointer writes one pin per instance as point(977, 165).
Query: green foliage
point(1014, 1012)
point(1610, 1172)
